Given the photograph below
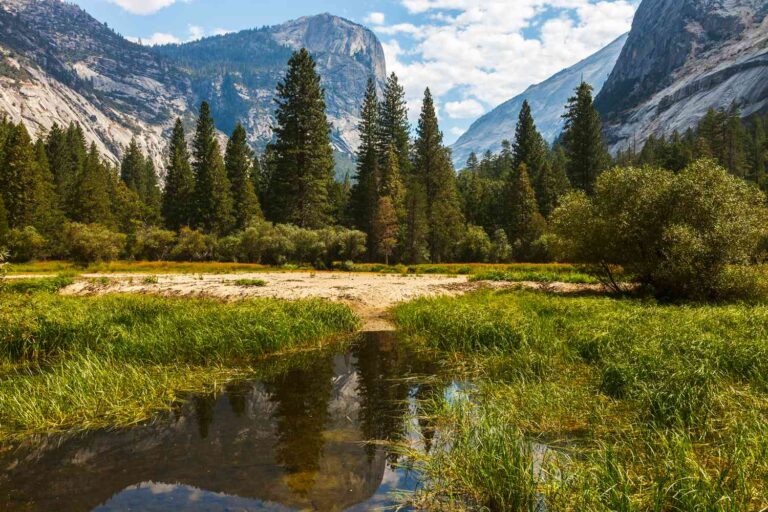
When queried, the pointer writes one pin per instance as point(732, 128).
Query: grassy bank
point(70, 363)
point(596, 403)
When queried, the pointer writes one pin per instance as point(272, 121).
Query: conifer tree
point(551, 184)
point(138, 174)
point(179, 193)
point(433, 169)
point(385, 227)
point(529, 147)
point(3, 221)
point(91, 198)
point(472, 163)
point(25, 183)
point(364, 193)
point(213, 193)
point(583, 140)
point(303, 156)
point(393, 125)
point(526, 224)
point(239, 161)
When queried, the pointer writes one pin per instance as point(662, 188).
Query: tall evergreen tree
point(525, 222)
point(393, 125)
point(472, 163)
point(25, 183)
point(3, 222)
point(138, 174)
point(213, 193)
point(529, 147)
point(239, 161)
point(384, 228)
point(583, 140)
point(303, 156)
point(433, 169)
point(91, 199)
point(551, 184)
point(364, 192)
point(179, 193)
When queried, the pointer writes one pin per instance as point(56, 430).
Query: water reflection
point(296, 441)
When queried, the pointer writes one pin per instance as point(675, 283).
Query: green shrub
point(153, 244)
point(88, 243)
point(475, 246)
point(250, 283)
point(229, 248)
point(193, 245)
point(26, 245)
point(678, 234)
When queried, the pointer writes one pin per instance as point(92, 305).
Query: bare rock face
point(683, 57)
point(59, 64)
point(547, 101)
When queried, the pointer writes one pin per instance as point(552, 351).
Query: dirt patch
point(371, 296)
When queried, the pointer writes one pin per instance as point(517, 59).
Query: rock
point(683, 57)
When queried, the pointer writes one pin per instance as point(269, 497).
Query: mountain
point(547, 101)
point(59, 64)
point(683, 57)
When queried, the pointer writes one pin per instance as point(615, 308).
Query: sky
point(472, 54)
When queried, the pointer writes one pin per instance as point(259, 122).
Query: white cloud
point(475, 54)
point(195, 32)
point(376, 18)
point(156, 38)
point(464, 109)
point(221, 31)
point(457, 132)
point(143, 7)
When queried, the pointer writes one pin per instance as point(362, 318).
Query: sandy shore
point(371, 296)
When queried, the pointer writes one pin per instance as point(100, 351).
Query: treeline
point(739, 146)
point(60, 199)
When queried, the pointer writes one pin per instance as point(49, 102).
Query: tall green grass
point(662, 406)
point(73, 363)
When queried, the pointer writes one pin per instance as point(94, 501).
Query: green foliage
point(178, 196)
point(475, 247)
point(302, 152)
point(678, 234)
point(87, 243)
point(582, 140)
point(529, 147)
point(153, 244)
point(251, 283)
point(26, 245)
point(213, 193)
point(239, 162)
point(364, 194)
point(138, 174)
point(193, 245)
point(526, 224)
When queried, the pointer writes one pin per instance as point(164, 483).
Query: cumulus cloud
point(144, 7)
point(483, 52)
point(375, 18)
point(156, 38)
point(464, 109)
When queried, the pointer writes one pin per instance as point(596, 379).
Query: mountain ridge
point(547, 100)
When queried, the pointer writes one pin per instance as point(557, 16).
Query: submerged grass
point(72, 362)
point(660, 407)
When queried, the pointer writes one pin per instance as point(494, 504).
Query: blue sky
point(473, 54)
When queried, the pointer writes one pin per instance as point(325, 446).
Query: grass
point(250, 283)
point(539, 276)
point(73, 363)
point(648, 406)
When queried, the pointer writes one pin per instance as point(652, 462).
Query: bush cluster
point(260, 242)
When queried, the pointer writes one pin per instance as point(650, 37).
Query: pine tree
point(529, 147)
point(394, 127)
point(213, 193)
point(238, 161)
point(525, 222)
point(758, 153)
point(385, 228)
point(364, 194)
point(132, 168)
point(583, 140)
point(178, 197)
point(25, 183)
point(551, 184)
point(3, 222)
point(91, 199)
point(472, 163)
point(303, 156)
point(433, 169)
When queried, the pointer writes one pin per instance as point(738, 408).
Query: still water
point(299, 440)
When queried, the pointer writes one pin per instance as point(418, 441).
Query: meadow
point(596, 403)
point(72, 363)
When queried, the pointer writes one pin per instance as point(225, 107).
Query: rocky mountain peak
point(681, 58)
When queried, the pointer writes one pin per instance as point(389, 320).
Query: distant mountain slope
point(238, 72)
point(681, 58)
point(547, 101)
point(59, 64)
